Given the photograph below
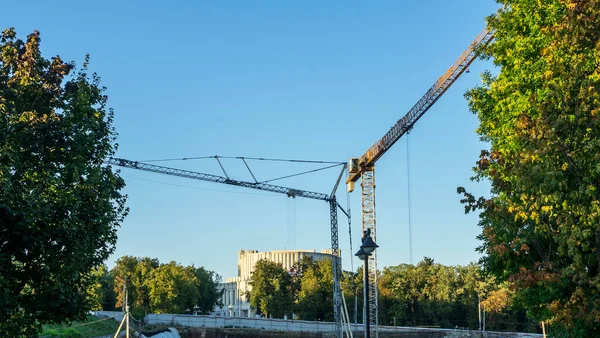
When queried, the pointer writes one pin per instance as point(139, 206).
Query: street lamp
point(366, 249)
point(230, 307)
point(196, 308)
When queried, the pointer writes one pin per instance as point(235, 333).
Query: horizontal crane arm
point(216, 179)
point(416, 112)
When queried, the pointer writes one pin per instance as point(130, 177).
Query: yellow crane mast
point(364, 166)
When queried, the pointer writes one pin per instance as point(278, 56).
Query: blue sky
point(318, 80)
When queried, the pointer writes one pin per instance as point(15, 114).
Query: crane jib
point(217, 179)
point(420, 108)
point(364, 167)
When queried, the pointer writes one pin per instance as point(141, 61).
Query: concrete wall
point(299, 325)
point(308, 326)
point(105, 314)
point(257, 323)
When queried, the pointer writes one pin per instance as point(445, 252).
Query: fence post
point(544, 329)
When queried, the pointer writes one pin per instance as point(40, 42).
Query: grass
point(88, 328)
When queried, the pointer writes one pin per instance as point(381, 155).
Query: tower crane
point(329, 198)
point(361, 167)
point(364, 166)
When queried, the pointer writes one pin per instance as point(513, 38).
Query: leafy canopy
point(60, 205)
point(172, 288)
point(315, 292)
point(541, 226)
point(153, 287)
point(271, 291)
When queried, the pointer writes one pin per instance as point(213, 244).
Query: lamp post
point(196, 309)
point(230, 307)
point(367, 247)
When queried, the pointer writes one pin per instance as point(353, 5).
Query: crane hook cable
point(408, 176)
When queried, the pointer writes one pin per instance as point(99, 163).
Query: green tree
point(432, 294)
point(315, 294)
point(124, 273)
point(163, 288)
point(109, 298)
point(142, 272)
point(100, 289)
point(271, 291)
point(393, 295)
point(471, 287)
point(172, 288)
point(60, 204)
point(418, 295)
point(95, 292)
point(498, 300)
point(541, 225)
point(208, 289)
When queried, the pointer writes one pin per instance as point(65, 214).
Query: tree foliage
point(124, 272)
point(314, 296)
point(109, 297)
point(423, 295)
point(208, 287)
point(60, 205)
point(172, 288)
point(307, 292)
point(271, 292)
point(153, 287)
point(433, 294)
point(426, 294)
point(541, 225)
point(96, 287)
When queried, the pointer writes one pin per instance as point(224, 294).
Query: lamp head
point(369, 245)
point(362, 254)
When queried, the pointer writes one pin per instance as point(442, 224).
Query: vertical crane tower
point(364, 166)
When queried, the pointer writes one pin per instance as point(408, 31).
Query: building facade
point(234, 298)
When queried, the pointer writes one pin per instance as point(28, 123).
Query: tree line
point(426, 294)
point(153, 287)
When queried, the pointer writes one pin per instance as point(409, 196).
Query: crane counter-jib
point(356, 166)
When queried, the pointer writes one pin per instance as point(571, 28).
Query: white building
point(234, 297)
